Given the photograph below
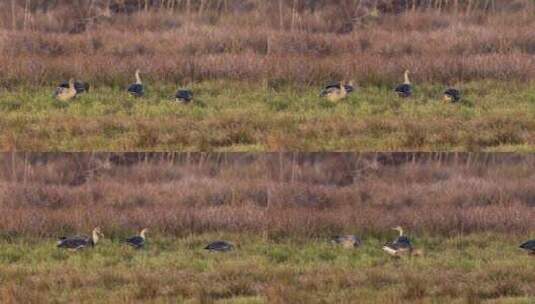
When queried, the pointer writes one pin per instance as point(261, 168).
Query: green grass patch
point(475, 269)
point(232, 116)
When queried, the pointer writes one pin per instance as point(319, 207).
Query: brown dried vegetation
point(302, 195)
point(273, 41)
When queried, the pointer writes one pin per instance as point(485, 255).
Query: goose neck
point(95, 237)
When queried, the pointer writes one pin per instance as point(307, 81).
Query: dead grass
point(438, 45)
point(278, 194)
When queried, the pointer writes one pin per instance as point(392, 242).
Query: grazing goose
point(221, 246)
point(136, 89)
point(65, 94)
point(452, 95)
point(80, 242)
point(79, 86)
point(137, 241)
point(337, 91)
point(401, 245)
point(529, 246)
point(184, 96)
point(404, 90)
point(347, 241)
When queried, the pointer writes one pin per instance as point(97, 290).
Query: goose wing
point(83, 87)
point(79, 86)
point(219, 246)
point(330, 89)
point(349, 88)
point(135, 241)
point(184, 95)
point(347, 240)
point(59, 90)
point(403, 242)
point(404, 90)
point(454, 94)
point(529, 245)
point(136, 90)
point(337, 239)
point(73, 243)
point(399, 245)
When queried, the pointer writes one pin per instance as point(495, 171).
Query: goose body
point(136, 89)
point(346, 241)
point(349, 87)
point(336, 91)
point(79, 86)
point(221, 246)
point(529, 246)
point(400, 246)
point(184, 96)
point(452, 95)
point(80, 242)
point(137, 241)
point(65, 94)
point(404, 90)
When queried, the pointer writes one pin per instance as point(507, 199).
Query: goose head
point(143, 232)
point(97, 234)
point(138, 77)
point(399, 229)
point(406, 76)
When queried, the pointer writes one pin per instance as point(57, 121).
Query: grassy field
point(239, 116)
point(467, 212)
point(257, 67)
point(482, 268)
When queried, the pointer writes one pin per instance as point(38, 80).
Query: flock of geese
point(333, 92)
point(400, 246)
point(337, 91)
point(78, 242)
point(68, 90)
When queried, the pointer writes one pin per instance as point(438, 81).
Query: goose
point(79, 86)
point(136, 89)
point(65, 94)
point(137, 241)
point(80, 242)
point(221, 246)
point(452, 95)
point(529, 246)
point(404, 90)
point(337, 91)
point(184, 96)
point(347, 241)
point(399, 246)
